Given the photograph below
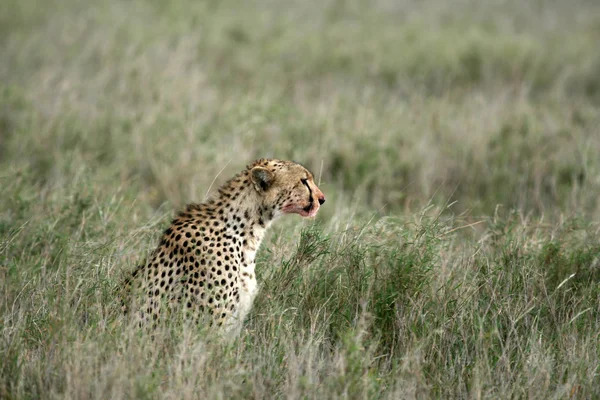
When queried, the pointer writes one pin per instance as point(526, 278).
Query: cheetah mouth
point(308, 212)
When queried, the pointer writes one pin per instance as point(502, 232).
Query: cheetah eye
point(304, 182)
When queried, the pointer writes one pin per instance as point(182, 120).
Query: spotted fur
point(204, 263)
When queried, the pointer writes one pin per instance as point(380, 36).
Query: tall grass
point(457, 143)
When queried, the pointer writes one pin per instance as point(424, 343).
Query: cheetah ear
point(261, 177)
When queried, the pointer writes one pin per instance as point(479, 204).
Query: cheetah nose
point(321, 200)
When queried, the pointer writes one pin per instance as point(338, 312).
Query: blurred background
point(392, 104)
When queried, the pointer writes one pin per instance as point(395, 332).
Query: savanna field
point(458, 145)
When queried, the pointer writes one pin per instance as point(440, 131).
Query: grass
point(457, 254)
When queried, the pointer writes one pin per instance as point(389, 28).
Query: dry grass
point(457, 255)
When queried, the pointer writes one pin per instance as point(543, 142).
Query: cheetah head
point(286, 187)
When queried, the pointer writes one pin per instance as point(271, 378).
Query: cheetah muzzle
point(204, 263)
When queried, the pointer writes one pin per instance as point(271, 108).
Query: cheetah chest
point(248, 285)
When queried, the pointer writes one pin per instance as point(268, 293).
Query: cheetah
point(204, 263)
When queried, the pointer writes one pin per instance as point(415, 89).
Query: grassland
point(457, 256)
